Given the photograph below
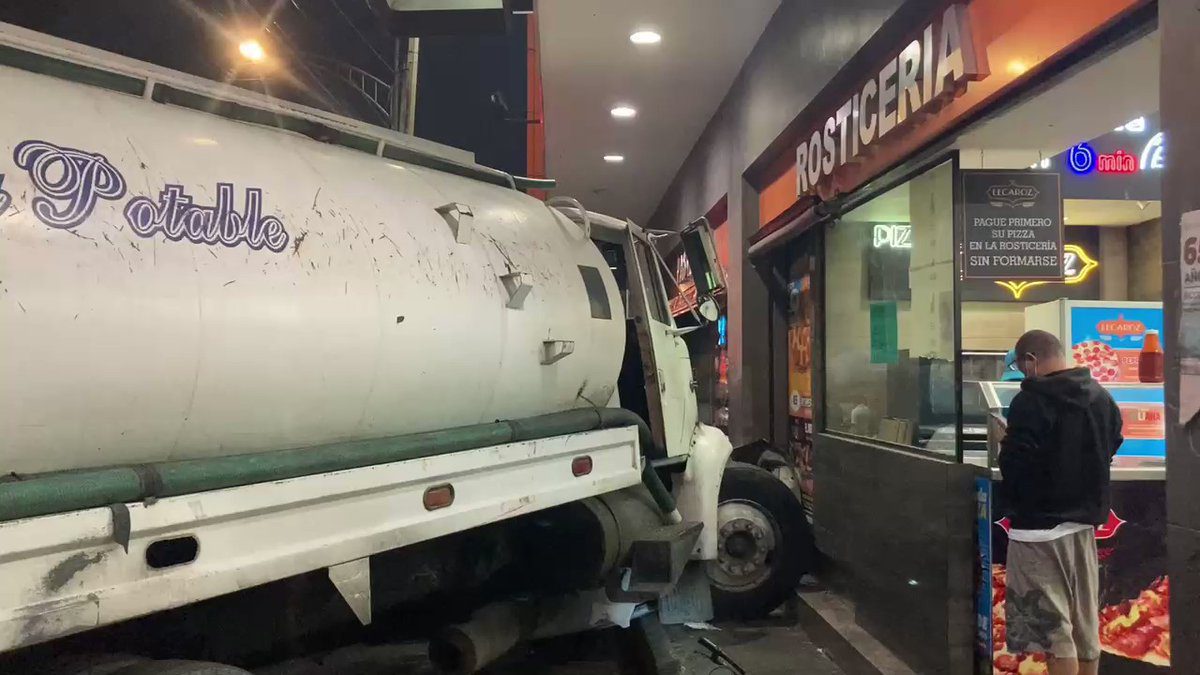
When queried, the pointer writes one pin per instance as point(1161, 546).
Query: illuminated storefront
point(970, 176)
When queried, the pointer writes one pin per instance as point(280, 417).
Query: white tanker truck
point(254, 356)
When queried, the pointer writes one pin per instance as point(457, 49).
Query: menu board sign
point(1012, 225)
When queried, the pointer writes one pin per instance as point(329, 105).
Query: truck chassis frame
point(71, 572)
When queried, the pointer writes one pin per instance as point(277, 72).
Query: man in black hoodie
point(1063, 430)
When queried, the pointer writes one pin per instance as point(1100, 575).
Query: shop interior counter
point(1141, 457)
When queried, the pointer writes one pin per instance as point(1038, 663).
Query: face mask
point(1031, 365)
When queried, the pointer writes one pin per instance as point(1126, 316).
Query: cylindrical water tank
point(174, 285)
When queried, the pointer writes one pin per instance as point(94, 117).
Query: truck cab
point(656, 374)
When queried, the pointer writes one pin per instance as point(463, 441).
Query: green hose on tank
point(60, 492)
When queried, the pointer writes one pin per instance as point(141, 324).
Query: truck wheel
point(181, 668)
point(764, 544)
point(89, 664)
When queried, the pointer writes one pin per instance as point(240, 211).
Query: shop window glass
point(889, 317)
point(655, 298)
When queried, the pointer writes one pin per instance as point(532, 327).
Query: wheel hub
point(747, 537)
point(740, 545)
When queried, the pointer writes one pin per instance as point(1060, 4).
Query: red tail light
point(581, 466)
point(439, 497)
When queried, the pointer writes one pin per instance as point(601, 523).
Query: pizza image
point(1140, 628)
point(1099, 358)
point(1003, 661)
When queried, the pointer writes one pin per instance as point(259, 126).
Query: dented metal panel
point(64, 574)
point(176, 285)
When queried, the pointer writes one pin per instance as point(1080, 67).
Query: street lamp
point(252, 50)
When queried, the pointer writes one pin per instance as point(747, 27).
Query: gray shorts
point(1052, 604)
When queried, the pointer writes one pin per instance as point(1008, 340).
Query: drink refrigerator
point(1107, 338)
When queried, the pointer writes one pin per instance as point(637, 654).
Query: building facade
point(911, 186)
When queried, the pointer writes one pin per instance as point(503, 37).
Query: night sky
point(457, 74)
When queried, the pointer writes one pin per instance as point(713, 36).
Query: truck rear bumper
point(67, 573)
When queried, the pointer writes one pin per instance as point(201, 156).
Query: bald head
point(1040, 353)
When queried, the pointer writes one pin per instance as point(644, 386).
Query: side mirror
point(709, 313)
point(701, 253)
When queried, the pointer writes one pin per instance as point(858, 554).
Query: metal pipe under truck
point(268, 373)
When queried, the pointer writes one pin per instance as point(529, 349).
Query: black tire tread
point(88, 664)
point(175, 667)
point(795, 553)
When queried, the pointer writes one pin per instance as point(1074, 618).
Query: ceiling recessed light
point(624, 111)
point(614, 159)
point(645, 37)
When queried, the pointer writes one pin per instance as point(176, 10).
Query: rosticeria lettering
point(932, 67)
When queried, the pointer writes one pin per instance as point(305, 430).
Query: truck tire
point(181, 668)
point(89, 664)
point(764, 544)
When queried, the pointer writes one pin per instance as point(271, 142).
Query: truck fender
point(697, 494)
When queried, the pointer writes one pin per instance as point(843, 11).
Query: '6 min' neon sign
point(1083, 159)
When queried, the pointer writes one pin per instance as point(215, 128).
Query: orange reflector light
point(581, 466)
point(439, 497)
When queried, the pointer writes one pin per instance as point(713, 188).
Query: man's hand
point(998, 426)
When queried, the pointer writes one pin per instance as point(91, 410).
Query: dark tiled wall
point(805, 44)
point(900, 529)
point(1179, 27)
point(1145, 261)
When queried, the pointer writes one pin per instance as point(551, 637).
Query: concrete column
point(1145, 241)
point(931, 270)
point(750, 377)
point(1114, 268)
point(1179, 25)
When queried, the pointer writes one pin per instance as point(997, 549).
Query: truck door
point(668, 369)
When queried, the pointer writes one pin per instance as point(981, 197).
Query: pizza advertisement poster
point(801, 319)
point(1144, 418)
point(800, 397)
point(1134, 620)
point(1144, 422)
point(800, 346)
point(984, 581)
point(1108, 339)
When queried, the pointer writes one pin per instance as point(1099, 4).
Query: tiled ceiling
point(589, 66)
